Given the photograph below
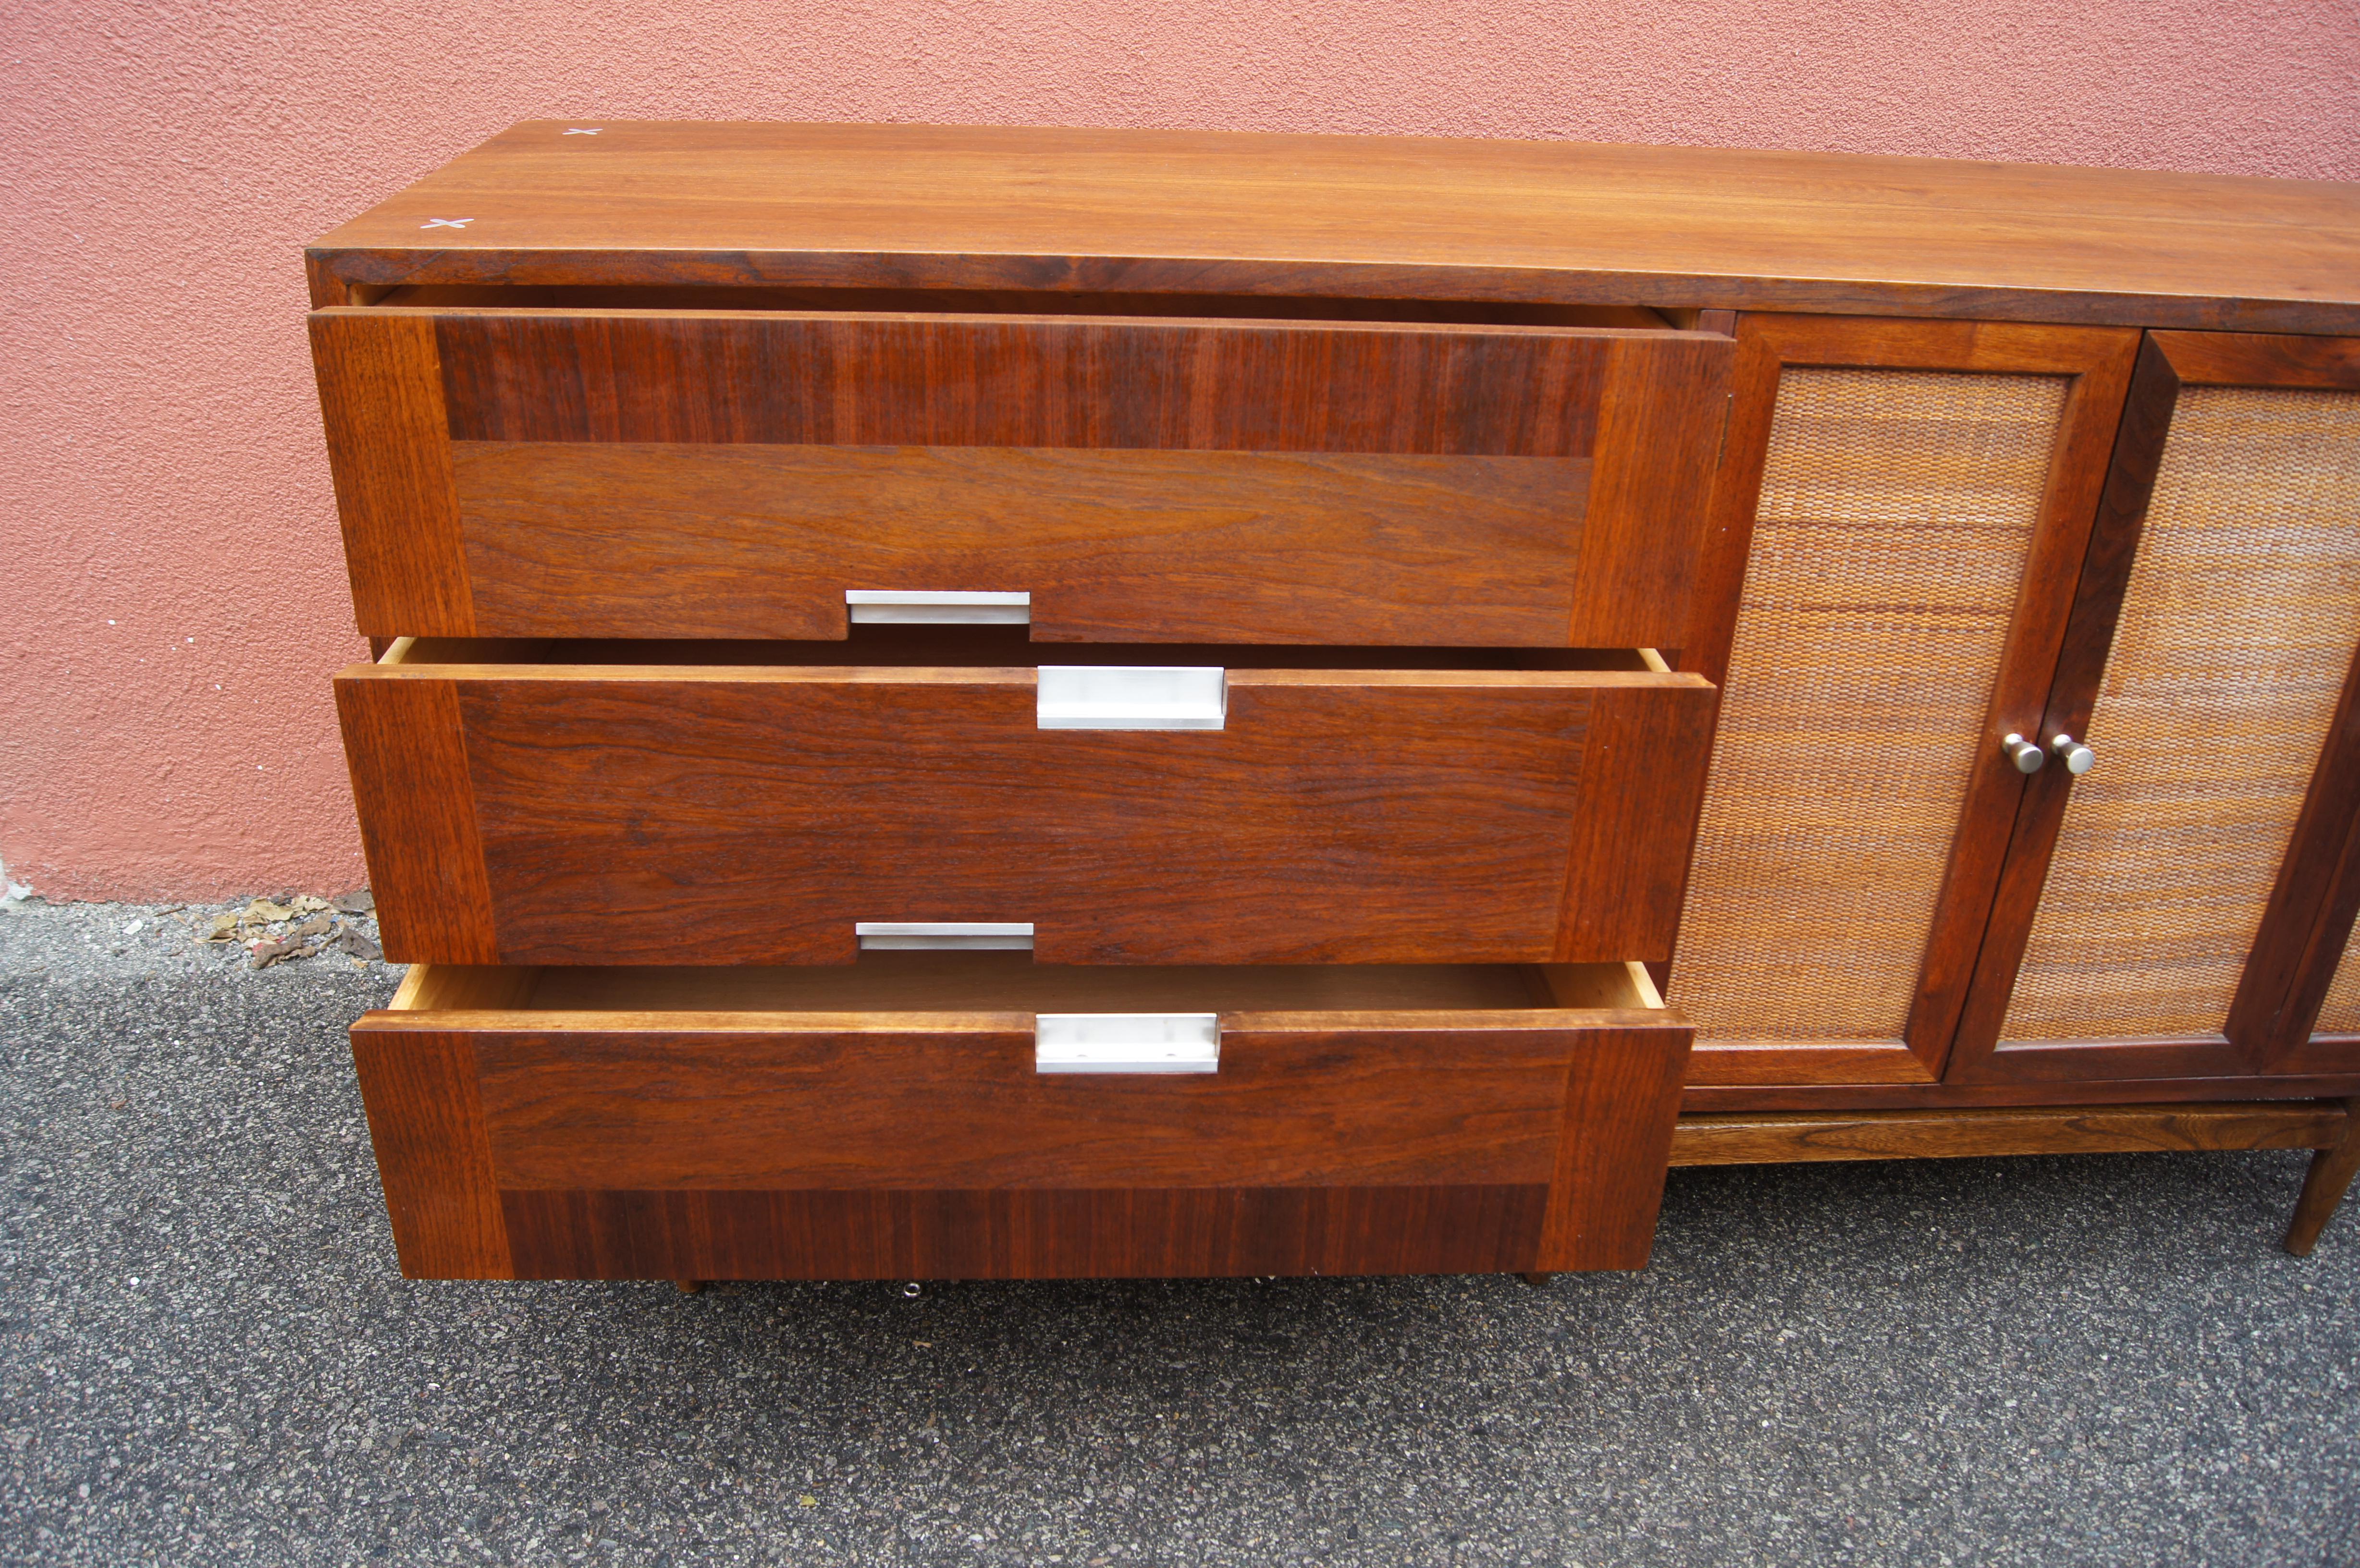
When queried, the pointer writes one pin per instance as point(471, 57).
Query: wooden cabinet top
point(641, 202)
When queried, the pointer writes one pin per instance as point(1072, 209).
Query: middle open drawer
point(590, 804)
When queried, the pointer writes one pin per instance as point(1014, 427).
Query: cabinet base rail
point(2331, 1127)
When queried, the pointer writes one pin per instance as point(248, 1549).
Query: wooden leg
point(1538, 1278)
point(689, 1287)
point(2332, 1170)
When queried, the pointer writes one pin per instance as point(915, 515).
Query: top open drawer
point(641, 472)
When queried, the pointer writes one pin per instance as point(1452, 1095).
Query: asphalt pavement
point(207, 1357)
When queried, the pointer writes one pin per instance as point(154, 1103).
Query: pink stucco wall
point(171, 599)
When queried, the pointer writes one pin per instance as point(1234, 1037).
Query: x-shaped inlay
point(581, 132)
point(446, 223)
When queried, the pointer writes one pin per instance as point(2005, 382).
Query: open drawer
point(674, 472)
point(586, 803)
point(934, 1114)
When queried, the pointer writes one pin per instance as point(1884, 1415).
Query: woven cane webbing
point(2341, 1012)
point(1896, 511)
point(2241, 618)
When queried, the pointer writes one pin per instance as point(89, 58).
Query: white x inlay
point(446, 223)
point(581, 132)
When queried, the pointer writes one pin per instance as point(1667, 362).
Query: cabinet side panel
point(1897, 511)
point(389, 451)
point(427, 1125)
point(2235, 636)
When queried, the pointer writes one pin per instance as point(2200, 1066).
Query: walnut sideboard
point(1002, 703)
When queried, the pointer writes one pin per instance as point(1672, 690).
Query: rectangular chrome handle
point(936, 607)
point(1126, 1042)
point(937, 935)
point(1132, 697)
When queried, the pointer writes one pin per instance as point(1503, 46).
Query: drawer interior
point(1016, 302)
point(968, 982)
point(989, 647)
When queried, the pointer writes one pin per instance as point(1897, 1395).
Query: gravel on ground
point(207, 1357)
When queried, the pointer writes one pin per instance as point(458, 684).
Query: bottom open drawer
point(972, 1114)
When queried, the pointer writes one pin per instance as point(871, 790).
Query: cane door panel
point(2157, 911)
point(1901, 510)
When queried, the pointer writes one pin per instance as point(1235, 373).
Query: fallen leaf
point(359, 946)
point(267, 954)
point(318, 925)
point(359, 902)
point(264, 912)
point(308, 905)
point(222, 928)
point(808, 1501)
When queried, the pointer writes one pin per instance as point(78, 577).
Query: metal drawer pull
point(2026, 756)
point(936, 935)
point(2077, 757)
point(927, 607)
point(1132, 697)
point(1126, 1042)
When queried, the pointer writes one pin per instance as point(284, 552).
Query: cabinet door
point(1902, 510)
point(2157, 912)
point(2317, 1025)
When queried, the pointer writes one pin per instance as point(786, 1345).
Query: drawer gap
point(1021, 302)
point(987, 647)
point(1005, 981)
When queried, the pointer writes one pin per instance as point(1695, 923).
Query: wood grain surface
point(2317, 1024)
point(614, 539)
point(2324, 1184)
point(427, 1126)
point(803, 377)
point(1622, 1097)
point(407, 754)
point(1344, 1138)
point(722, 473)
point(2240, 1084)
point(1131, 1232)
point(1622, 898)
point(1738, 1138)
point(973, 207)
point(389, 452)
point(1381, 816)
point(1406, 1103)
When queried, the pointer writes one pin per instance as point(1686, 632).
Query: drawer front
point(756, 815)
point(723, 1146)
point(717, 474)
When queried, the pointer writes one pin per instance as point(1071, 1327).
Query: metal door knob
point(2026, 756)
point(2078, 758)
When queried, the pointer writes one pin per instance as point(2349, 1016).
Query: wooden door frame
point(2097, 361)
point(2295, 950)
